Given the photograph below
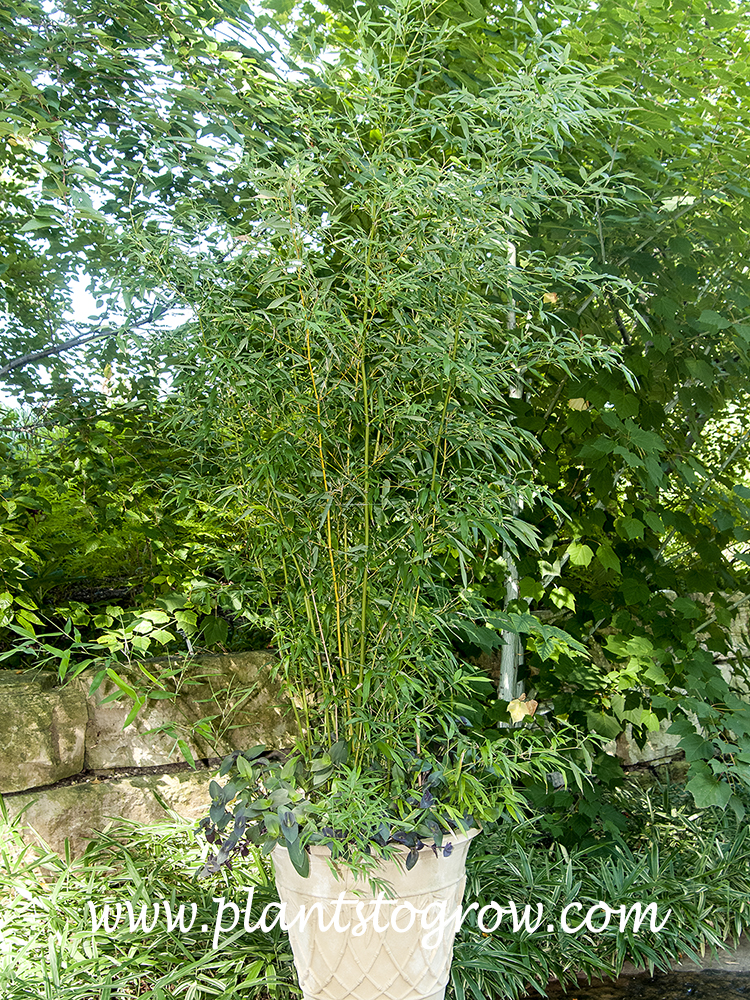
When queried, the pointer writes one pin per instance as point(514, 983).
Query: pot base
point(440, 995)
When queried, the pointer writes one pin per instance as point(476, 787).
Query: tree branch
point(27, 359)
point(618, 319)
point(68, 345)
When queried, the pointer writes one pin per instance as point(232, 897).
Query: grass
point(696, 863)
point(48, 949)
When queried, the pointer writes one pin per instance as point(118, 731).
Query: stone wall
point(69, 766)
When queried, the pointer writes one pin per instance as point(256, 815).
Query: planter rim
point(459, 838)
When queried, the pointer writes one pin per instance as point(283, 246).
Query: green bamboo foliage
point(353, 359)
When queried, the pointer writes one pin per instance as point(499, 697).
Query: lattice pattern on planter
point(375, 965)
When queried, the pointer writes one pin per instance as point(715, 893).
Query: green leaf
point(24, 602)
point(174, 601)
point(713, 319)
point(123, 685)
point(157, 617)
point(299, 858)
point(137, 706)
point(245, 768)
point(187, 753)
point(696, 747)
point(630, 528)
point(162, 636)
point(687, 608)
point(708, 790)
point(654, 522)
point(656, 675)
point(29, 619)
point(635, 591)
point(606, 725)
point(215, 631)
point(530, 589)
point(682, 726)
point(339, 752)
point(580, 555)
point(561, 597)
point(607, 557)
point(701, 370)
point(289, 826)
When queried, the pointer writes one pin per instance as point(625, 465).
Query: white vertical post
point(511, 655)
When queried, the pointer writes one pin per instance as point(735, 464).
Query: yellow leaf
point(519, 708)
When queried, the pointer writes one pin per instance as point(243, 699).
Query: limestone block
point(42, 730)
point(151, 738)
point(221, 703)
point(660, 745)
point(245, 706)
point(76, 811)
point(185, 793)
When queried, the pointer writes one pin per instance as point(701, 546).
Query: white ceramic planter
point(398, 963)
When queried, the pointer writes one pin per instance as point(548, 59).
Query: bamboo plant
point(351, 361)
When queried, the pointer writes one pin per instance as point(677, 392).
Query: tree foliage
point(652, 559)
point(113, 121)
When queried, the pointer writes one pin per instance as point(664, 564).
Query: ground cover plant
point(695, 863)
point(48, 948)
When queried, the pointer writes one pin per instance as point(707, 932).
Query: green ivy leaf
point(708, 790)
point(635, 591)
point(579, 554)
point(605, 725)
point(654, 522)
point(215, 631)
point(696, 747)
point(630, 528)
point(713, 319)
point(607, 557)
point(561, 597)
point(530, 589)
